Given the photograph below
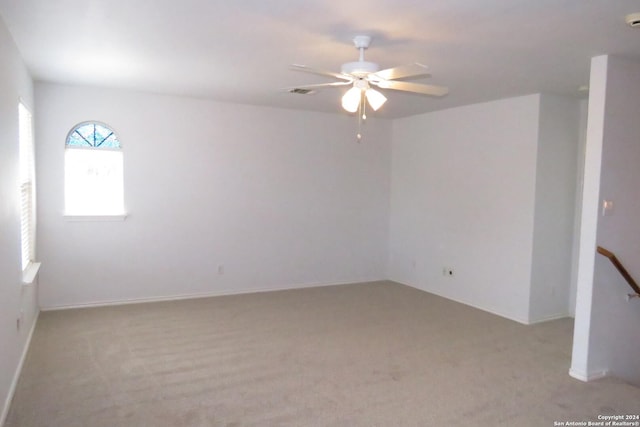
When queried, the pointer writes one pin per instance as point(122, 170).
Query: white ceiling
point(240, 50)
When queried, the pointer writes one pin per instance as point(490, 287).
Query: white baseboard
point(198, 295)
point(493, 311)
point(488, 310)
point(549, 318)
point(588, 376)
point(16, 376)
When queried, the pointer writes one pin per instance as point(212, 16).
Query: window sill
point(95, 218)
point(29, 274)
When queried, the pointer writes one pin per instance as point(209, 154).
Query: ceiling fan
point(362, 75)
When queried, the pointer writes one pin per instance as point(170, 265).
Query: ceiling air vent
point(633, 20)
point(301, 91)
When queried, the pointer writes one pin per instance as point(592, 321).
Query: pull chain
point(362, 116)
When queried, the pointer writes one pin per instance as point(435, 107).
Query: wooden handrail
point(621, 269)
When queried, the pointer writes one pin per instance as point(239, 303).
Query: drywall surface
point(462, 197)
point(15, 84)
point(614, 335)
point(221, 198)
point(555, 198)
point(585, 366)
point(584, 104)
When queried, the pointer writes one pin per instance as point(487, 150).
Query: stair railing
point(623, 271)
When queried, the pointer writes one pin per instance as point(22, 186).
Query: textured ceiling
point(240, 50)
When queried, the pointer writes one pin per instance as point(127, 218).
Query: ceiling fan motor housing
point(359, 68)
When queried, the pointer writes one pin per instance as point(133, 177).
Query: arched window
point(94, 184)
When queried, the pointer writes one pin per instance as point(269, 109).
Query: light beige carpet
point(377, 354)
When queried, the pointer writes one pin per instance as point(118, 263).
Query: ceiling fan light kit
point(361, 75)
point(351, 99)
point(375, 99)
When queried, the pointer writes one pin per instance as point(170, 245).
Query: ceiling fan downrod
point(362, 43)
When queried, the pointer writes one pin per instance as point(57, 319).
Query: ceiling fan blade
point(318, 85)
point(414, 87)
point(304, 68)
point(402, 72)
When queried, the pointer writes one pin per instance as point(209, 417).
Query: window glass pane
point(93, 182)
point(93, 135)
point(76, 140)
point(27, 197)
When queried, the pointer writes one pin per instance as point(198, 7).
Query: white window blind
point(27, 187)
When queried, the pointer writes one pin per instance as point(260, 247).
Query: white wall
point(607, 336)
point(555, 198)
point(280, 198)
point(15, 84)
point(583, 105)
point(489, 191)
point(462, 196)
